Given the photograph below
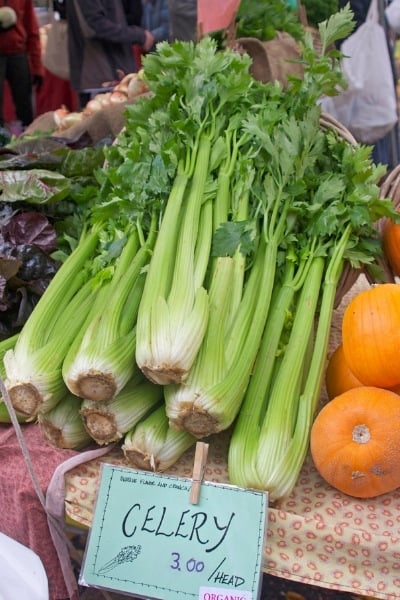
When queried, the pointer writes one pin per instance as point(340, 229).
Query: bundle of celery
point(198, 92)
point(81, 333)
point(62, 426)
point(109, 421)
point(270, 153)
point(153, 445)
point(82, 293)
point(333, 223)
point(211, 396)
point(101, 360)
point(33, 366)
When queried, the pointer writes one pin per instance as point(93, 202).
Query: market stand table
point(316, 536)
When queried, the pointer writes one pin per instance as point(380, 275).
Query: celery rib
point(167, 346)
point(98, 367)
point(153, 445)
point(109, 421)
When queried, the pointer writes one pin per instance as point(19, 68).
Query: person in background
point(60, 6)
point(183, 20)
point(385, 150)
point(20, 57)
point(155, 18)
point(101, 34)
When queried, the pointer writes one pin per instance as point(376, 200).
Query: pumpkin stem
point(361, 434)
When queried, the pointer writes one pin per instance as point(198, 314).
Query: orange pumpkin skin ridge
point(338, 377)
point(371, 335)
point(391, 245)
point(360, 470)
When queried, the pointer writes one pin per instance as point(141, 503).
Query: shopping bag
point(392, 14)
point(55, 57)
point(368, 106)
point(22, 574)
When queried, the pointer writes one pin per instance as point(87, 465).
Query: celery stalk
point(102, 360)
point(285, 472)
point(245, 439)
point(278, 421)
point(5, 345)
point(62, 426)
point(172, 319)
point(108, 421)
point(34, 370)
point(210, 398)
point(153, 445)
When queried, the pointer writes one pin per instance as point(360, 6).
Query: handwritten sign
point(147, 539)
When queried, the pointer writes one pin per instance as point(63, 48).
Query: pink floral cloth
point(22, 516)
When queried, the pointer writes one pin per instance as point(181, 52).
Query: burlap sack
point(272, 60)
point(106, 123)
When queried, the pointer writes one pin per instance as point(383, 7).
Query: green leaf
point(36, 186)
point(233, 235)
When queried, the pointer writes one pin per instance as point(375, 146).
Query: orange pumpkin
point(391, 245)
point(338, 377)
point(355, 442)
point(371, 335)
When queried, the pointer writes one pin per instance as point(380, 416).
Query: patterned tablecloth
point(316, 536)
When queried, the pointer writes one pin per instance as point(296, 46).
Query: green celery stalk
point(153, 445)
point(286, 471)
point(109, 421)
point(210, 398)
point(172, 319)
point(62, 426)
point(204, 407)
point(5, 345)
point(186, 403)
point(34, 372)
point(197, 90)
point(102, 359)
point(244, 444)
point(276, 425)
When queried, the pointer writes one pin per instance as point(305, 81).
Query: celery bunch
point(101, 360)
point(110, 420)
point(33, 366)
point(152, 444)
point(198, 99)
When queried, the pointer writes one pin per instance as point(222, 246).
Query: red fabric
point(22, 516)
point(137, 53)
point(54, 93)
point(24, 37)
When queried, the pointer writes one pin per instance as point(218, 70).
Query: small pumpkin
point(371, 335)
point(338, 376)
point(355, 442)
point(391, 244)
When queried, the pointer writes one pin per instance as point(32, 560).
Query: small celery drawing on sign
point(125, 555)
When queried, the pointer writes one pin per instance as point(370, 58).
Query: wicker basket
point(272, 60)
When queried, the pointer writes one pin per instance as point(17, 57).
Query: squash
point(338, 376)
point(371, 335)
point(391, 245)
point(355, 442)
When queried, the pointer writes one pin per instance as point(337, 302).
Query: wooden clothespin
point(200, 461)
